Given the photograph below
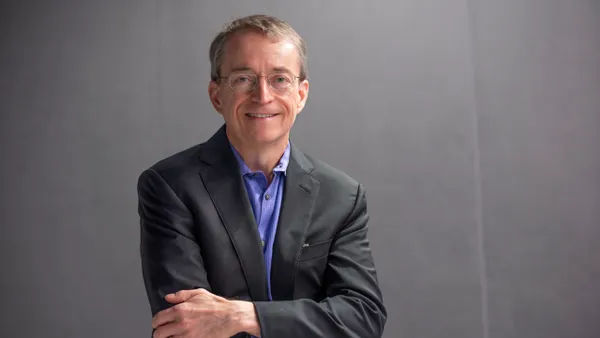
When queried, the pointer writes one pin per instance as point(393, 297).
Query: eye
point(242, 80)
point(280, 81)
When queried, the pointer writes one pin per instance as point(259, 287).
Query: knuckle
point(179, 309)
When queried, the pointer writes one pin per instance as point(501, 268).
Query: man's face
point(263, 115)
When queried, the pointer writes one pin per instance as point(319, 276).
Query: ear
point(302, 95)
point(214, 93)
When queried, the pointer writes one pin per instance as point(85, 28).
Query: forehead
point(260, 53)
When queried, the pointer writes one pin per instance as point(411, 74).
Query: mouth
point(260, 116)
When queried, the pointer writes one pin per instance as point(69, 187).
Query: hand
point(198, 314)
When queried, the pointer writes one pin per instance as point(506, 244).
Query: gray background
point(473, 124)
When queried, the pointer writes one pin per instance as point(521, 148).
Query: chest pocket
point(314, 251)
point(311, 270)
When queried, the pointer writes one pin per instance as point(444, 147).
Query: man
point(246, 235)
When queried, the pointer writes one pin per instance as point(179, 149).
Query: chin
point(268, 137)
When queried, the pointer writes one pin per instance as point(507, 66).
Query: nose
point(262, 91)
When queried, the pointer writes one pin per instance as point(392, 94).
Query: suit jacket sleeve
point(171, 257)
point(353, 306)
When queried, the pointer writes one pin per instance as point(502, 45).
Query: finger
point(173, 299)
point(182, 295)
point(169, 330)
point(164, 317)
point(178, 297)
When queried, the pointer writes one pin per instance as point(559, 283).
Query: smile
point(261, 116)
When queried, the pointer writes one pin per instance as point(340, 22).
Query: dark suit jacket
point(198, 231)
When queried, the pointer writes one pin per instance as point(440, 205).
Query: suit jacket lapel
point(298, 199)
point(225, 185)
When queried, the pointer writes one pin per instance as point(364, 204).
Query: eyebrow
point(282, 69)
point(245, 69)
point(241, 69)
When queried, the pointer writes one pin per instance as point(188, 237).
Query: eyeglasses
point(279, 81)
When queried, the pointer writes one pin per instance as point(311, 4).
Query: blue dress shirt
point(266, 203)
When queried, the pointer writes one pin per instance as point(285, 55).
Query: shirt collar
point(280, 167)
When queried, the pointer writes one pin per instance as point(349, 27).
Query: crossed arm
point(184, 306)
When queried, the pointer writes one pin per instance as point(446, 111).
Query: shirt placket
point(264, 209)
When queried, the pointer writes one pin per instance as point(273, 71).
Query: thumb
point(179, 296)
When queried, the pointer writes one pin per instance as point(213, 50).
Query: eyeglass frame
point(258, 77)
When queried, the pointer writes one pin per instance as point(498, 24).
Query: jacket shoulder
point(179, 165)
point(332, 178)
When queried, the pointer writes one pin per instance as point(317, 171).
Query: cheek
point(234, 103)
point(291, 103)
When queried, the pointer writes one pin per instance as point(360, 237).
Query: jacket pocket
point(316, 250)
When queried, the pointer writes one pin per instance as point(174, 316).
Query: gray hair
point(271, 27)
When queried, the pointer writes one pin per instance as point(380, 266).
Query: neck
point(262, 158)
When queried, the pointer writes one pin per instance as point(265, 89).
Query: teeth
point(261, 115)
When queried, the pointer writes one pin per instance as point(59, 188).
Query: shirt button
point(262, 243)
point(267, 197)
